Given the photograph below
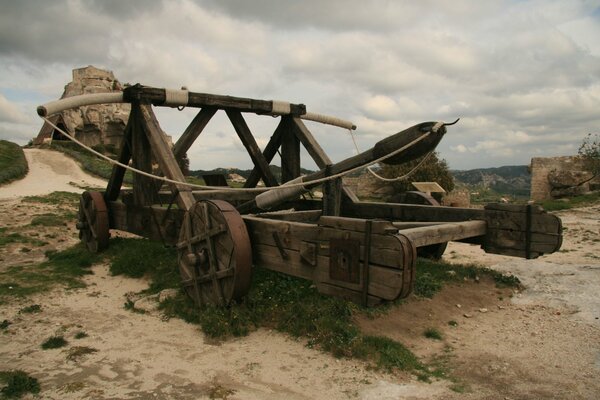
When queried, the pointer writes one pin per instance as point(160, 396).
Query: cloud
point(9, 112)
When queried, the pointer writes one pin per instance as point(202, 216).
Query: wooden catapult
point(362, 251)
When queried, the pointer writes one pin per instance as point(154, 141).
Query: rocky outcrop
point(557, 177)
point(93, 125)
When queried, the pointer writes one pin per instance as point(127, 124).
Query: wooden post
point(113, 189)
point(290, 153)
point(268, 153)
point(165, 158)
point(332, 195)
point(143, 187)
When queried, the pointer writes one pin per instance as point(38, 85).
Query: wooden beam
point(290, 154)
point(115, 182)
point(427, 235)
point(193, 130)
point(143, 186)
point(269, 152)
point(157, 97)
point(165, 158)
point(249, 143)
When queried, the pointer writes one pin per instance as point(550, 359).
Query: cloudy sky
point(523, 76)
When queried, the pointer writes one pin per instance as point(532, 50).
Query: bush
point(13, 164)
point(434, 169)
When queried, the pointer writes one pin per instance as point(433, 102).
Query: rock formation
point(93, 125)
point(556, 177)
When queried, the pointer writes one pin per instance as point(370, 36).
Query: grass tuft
point(81, 335)
point(432, 333)
point(17, 383)
point(571, 202)
point(54, 342)
point(76, 352)
point(32, 309)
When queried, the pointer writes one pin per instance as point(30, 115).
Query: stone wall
point(554, 177)
point(95, 124)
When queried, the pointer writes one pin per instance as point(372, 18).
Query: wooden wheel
point(214, 253)
point(93, 221)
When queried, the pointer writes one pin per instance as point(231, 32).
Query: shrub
point(13, 164)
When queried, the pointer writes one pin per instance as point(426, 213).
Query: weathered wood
point(269, 151)
point(290, 154)
point(154, 222)
point(143, 186)
point(249, 143)
point(357, 224)
point(385, 252)
point(410, 212)
point(427, 235)
point(193, 130)
point(157, 97)
point(332, 196)
point(115, 182)
point(165, 158)
point(385, 283)
point(308, 216)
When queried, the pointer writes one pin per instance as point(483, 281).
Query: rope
point(204, 187)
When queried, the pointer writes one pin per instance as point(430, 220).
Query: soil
point(541, 342)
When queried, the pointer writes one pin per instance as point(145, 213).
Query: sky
point(523, 76)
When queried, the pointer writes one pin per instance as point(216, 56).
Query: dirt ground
point(540, 343)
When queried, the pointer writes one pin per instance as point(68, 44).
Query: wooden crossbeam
point(269, 152)
point(115, 182)
point(193, 130)
point(249, 143)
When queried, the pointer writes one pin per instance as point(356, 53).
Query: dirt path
point(541, 343)
point(49, 171)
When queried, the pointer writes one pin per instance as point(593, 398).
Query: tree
point(589, 151)
point(434, 169)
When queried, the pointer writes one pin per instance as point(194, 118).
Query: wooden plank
point(152, 222)
point(249, 143)
point(411, 212)
point(350, 295)
point(192, 132)
point(143, 186)
point(385, 283)
point(113, 189)
point(427, 235)
point(165, 158)
point(385, 252)
point(290, 154)
point(269, 151)
point(540, 243)
point(332, 197)
point(308, 216)
point(357, 224)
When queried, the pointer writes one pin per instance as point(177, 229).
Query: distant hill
point(276, 170)
point(511, 180)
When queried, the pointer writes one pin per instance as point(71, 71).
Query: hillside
point(511, 180)
point(276, 170)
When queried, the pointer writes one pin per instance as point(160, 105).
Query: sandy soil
point(49, 171)
point(543, 342)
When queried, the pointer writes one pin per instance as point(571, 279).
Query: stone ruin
point(93, 125)
point(558, 177)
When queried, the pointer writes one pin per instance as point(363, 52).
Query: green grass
point(13, 164)
point(432, 275)
point(49, 220)
point(54, 342)
point(57, 198)
point(32, 309)
point(432, 333)
point(572, 202)
point(80, 335)
point(17, 383)
point(62, 268)
point(76, 352)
